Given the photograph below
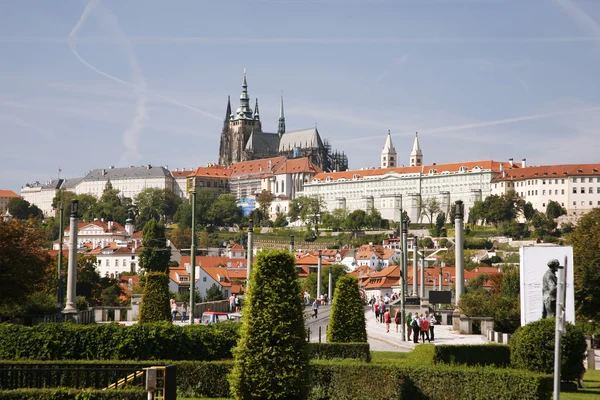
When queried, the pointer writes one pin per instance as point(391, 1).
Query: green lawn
point(591, 381)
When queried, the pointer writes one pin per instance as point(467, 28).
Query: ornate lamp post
point(71, 306)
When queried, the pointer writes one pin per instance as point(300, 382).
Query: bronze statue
point(549, 284)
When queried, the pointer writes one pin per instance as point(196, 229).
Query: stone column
point(250, 252)
point(415, 267)
point(459, 251)
point(319, 277)
point(71, 305)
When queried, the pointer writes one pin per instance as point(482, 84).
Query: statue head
point(554, 265)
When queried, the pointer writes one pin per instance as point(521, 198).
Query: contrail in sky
point(136, 127)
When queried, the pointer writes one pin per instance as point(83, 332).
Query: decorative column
point(250, 252)
point(415, 266)
point(192, 302)
point(421, 273)
point(71, 306)
point(405, 253)
point(319, 277)
point(330, 291)
point(459, 251)
point(403, 286)
point(60, 256)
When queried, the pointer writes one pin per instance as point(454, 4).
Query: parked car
point(211, 317)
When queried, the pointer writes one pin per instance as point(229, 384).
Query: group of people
point(234, 303)
point(174, 310)
point(420, 325)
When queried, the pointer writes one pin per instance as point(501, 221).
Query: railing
point(16, 376)
point(220, 306)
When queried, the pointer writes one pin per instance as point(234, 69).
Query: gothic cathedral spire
point(228, 110)
point(281, 126)
point(416, 155)
point(388, 154)
point(256, 113)
point(244, 111)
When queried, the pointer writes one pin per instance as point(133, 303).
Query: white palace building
point(390, 188)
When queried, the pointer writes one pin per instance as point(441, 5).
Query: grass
point(388, 357)
point(591, 390)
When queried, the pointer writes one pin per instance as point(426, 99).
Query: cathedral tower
point(388, 154)
point(416, 155)
point(281, 126)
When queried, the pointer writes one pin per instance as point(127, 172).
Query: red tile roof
point(181, 174)
point(102, 224)
point(548, 171)
point(256, 167)
point(237, 247)
point(453, 167)
point(8, 193)
point(216, 171)
point(310, 260)
point(216, 272)
point(213, 261)
point(297, 165)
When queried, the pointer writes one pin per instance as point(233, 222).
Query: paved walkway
point(380, 340)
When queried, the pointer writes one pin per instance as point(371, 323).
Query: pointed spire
point(244, 111)
point(281, 126)
point(389, 146)
point(416, 150)
point(256, 114)
point(388, 154)
point(228, 110)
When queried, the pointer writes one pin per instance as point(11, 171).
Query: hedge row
point(357, 380)
point(330, 351)
point(497, 355)
point(153, 341)
point(72, 394)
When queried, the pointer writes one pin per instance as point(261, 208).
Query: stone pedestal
point(591, 359)
point(136, 302)
point(465, 324)
point(456, 320)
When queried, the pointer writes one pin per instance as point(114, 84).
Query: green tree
point(439, 228)
point(150, 204)
point(586, 242)
point(429, 208)
point(543, 225)
point(155, 254)
point(111, 207)
point(264, 200)
point(554, 210)
point(355, 221)
point(373, 219)
point(528, 211)
point(280, 221)
point(214, 293)
point(426, 243)
point(271, 359)
point(21, 209)
point(225, 211)
point(155, 301)
point(347, 323)
point(307, 209)
point(22, 263)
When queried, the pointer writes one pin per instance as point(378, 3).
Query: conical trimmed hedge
point(347, 322)
point(155, 301)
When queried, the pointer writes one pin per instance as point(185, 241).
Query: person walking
point(398, 319)
point(184, 309)
point(386, 318)
point(425, 328)
point(315, 308)
point(409, 325)
point(432, 322)
point(376, 311)
point(173, 310)
point(382, 308)
point(237, 304)
point(416, 326)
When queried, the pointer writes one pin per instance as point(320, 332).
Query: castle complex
point(243, 139)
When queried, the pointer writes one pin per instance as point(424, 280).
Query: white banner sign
point(534, 265)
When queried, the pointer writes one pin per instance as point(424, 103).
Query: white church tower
point(416, 155)
point(388, 154)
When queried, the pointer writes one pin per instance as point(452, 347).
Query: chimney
point(510, 161)
point(269, 164)
point(112, 167)
point(110, 225)
point(103, 172)
point(504, 174)
point(501, 166)
point(524, 163)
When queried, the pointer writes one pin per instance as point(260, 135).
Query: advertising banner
point(536, 281)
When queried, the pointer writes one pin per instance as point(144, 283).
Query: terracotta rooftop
point(297, 165)
point(181, 174)
point(548, 172)
point(256, 167)
point(8, 193)
point(216, 171)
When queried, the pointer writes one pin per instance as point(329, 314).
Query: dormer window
point(432, 171)
point(462, 169)
point(355, 176)
point(328, 179)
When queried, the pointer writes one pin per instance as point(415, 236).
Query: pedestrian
point(386, 319)
point(184, 309)
point(398, 319)
point(409, 325)
point(416, 326)
point(237, 304)
point(231, 302)
point(315, 308)
point(425, 328)
point(377, 312)
point(432, 322)
point(382, 308)
point(173, 309)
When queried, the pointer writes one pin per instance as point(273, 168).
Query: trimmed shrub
point(161, 340)
point(485, 354)
point(72, 394)
point(155, 301)
point(330, 351)
point(203, 379)
point(271, 359)
point(347, 322)
point(532, 348)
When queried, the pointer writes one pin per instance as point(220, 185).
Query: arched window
point(282, 189)
point(277, 187)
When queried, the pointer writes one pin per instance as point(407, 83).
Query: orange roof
point(237, 273)
point(175, 272)
point(297, 165)
point(102, 224)
point(256, 166)
point(310, 260)
point(454, 167)
point(213, 261)
point(236, 247)
point(8, 193)
point(216, 171)
point(548, 171)
point(181, 174)
point(216, 272)
point(54, 253)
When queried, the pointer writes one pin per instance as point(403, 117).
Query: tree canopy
point(155, 254)
point(22, 209)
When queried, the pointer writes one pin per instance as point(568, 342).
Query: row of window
point(107, 263)
point(590, 190)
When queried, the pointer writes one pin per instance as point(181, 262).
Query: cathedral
point(243, 139)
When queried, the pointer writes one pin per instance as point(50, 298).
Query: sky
point(94, 84)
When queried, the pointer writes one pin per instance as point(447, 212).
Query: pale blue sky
point(89, 85)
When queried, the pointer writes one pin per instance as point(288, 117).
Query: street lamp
point(193, 260)
point(71, 306)
point(60, 254)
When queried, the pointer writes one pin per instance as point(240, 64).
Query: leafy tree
point(181, 238)
point(439, 228)
point(347, 323)
point(111, 206)
point(21, 209)
point(429, 208)
point(225, 211)
point(264, 200)
point(151, 204)
point(426, 243)
point(543, 225)
point(515, 230)
point(155, 254)
point(66, 198)
point(306, 209)
point(355, 221)
point(271, 359)
point(22, 262)
point(155, 301)
point(528, 211)
point(280, 221)
point(204, 200)
point(214, 293)
point(373, 219)
point(111, 296)
point(555, 210)
point(586, 242)
point(443, 243)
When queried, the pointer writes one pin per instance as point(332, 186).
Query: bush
point(155, 302)
point(74, 394)
point(347, 322)
point(115, 342)
point(271, 359)
point(497, 355)
point(329, 351)
point(477, 244)
point(532, 348)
